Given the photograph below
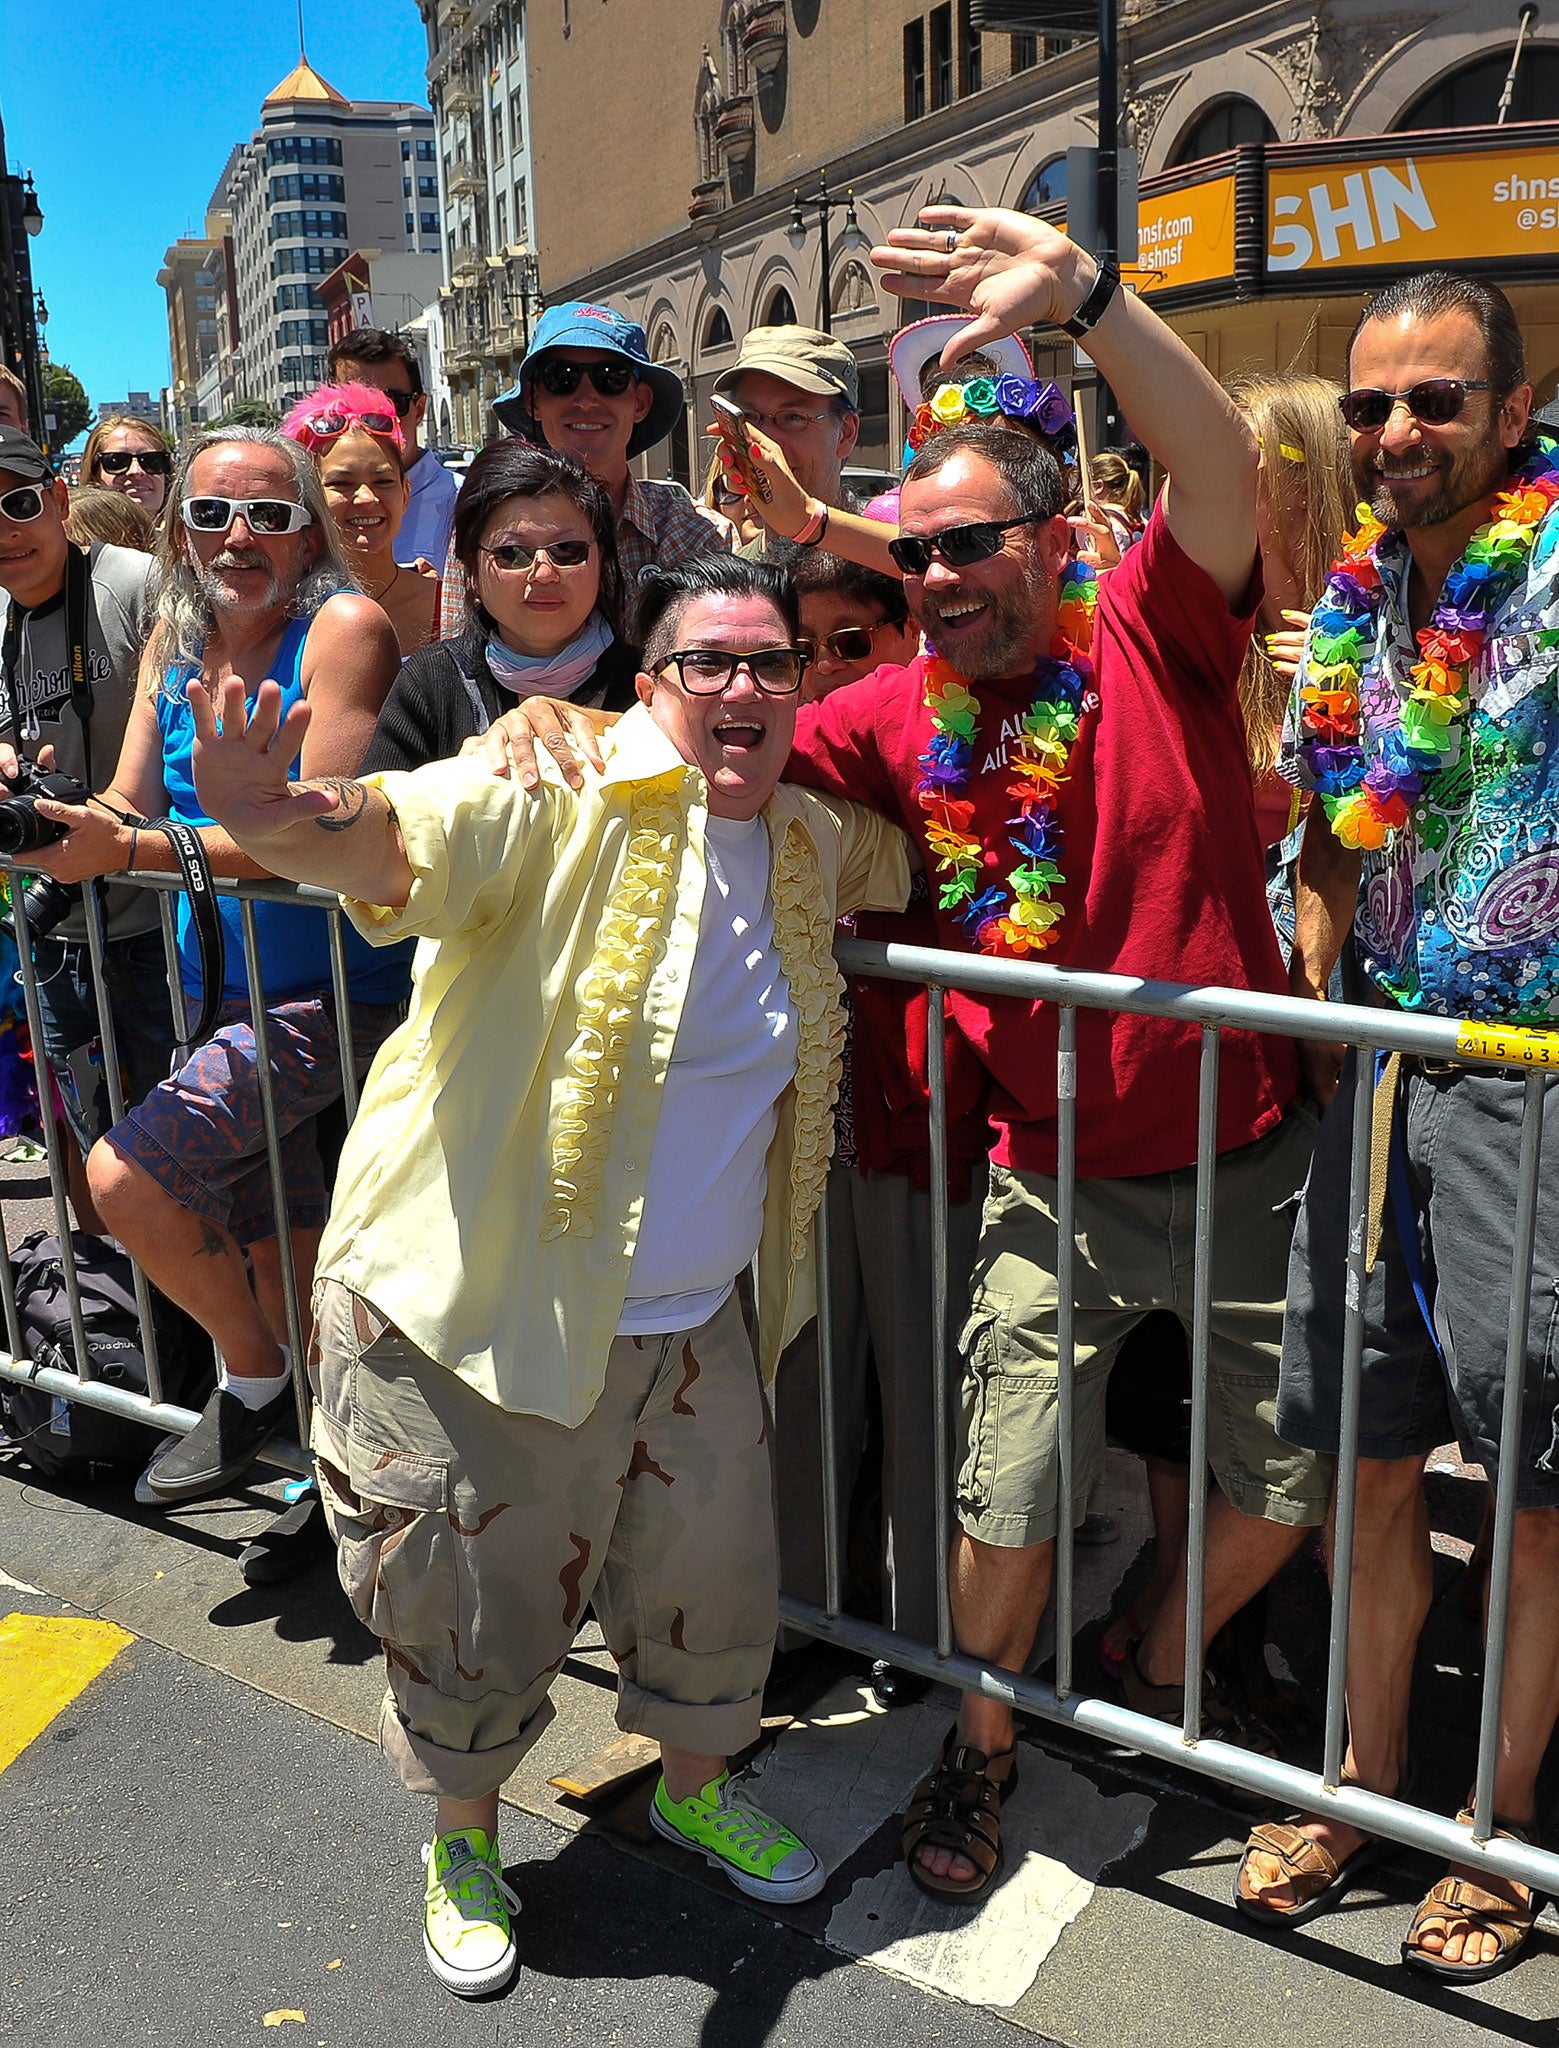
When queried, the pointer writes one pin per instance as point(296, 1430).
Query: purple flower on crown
point(1024, 398)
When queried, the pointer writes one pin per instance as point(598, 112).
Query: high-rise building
point(322, 175)
point(194, 277)
point(477, 77)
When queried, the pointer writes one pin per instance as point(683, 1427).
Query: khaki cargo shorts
point(1135, 1252)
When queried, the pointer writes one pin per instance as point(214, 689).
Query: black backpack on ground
point(58, 1435)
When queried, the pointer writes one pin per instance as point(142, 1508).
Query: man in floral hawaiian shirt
point(1426, 719)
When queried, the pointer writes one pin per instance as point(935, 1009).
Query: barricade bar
point(1239, 1009)
point(1120, 1726)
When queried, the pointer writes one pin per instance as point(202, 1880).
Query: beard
point(222, 598)
point(1004, 641)
point(1460, 481)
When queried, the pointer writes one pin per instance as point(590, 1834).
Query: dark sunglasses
point(562, 380)
point(21, 505)
point(850, 643)
point(153, 461)
point(706, 671)
point(1433, 403)
point(326, 425)
point(562, 554)
point(403, 401)
point(959, 546)
point(261, 515)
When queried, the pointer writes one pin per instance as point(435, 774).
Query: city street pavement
point(207, 1827)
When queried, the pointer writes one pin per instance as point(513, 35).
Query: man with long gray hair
point(253, 586)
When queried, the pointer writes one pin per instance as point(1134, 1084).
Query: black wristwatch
point(1088, 315)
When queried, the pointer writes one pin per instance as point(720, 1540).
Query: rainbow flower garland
point(1020, 917)
point(1368, 804)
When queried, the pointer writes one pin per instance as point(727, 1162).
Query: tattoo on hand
point(350, 796)
point(213, 1245)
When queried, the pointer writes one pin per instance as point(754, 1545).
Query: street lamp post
point(796, 234)
point(21, 217)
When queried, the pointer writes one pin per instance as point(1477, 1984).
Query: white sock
point(253, 1392)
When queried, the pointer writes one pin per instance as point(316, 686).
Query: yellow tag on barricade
point(1510, 1044)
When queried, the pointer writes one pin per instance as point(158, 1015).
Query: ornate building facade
point(700, 123)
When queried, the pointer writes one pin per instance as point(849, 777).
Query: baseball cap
point(802, 356)
point(577, 324)
point(20, 455)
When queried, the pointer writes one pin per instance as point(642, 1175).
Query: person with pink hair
point(354, 436)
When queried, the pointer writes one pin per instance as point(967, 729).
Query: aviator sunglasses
point(562, 554)
point(1434, 402)
point(153, 461)
point(261, 515)
point(562, 380)
point(959, 546)
point(22, 504)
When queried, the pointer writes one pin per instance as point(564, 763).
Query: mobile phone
point(732, 423)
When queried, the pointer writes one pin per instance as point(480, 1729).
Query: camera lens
point(21, 829)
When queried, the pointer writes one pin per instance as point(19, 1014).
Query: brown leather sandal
point(958, 1807)
point(1318, 1879)
point(1510, 1921)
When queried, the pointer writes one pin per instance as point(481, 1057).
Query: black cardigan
point(429, 713)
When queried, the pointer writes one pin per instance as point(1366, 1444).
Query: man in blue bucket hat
point(588, 389)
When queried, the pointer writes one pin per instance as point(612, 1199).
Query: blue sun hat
point(578, 324)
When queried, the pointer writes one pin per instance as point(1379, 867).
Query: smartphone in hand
point(732, 423)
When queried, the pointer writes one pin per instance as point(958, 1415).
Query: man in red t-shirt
point(1151, 825)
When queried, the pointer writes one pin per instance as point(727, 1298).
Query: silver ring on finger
point(952, 241)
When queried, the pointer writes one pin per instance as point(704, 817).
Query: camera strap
point(210, 934)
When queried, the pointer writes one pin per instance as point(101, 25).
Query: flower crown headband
point(984, 398)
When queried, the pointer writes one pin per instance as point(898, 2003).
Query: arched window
point(1047, 185)
point(1470, 98)
point(718, 333)
point(782, 310)
point(1221, 126)
point(853, 290)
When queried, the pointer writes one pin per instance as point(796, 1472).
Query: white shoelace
point(469, 1883)
point(749, 1827)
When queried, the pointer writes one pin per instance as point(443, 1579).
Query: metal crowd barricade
point(1213, 1010)
point(151, 1407)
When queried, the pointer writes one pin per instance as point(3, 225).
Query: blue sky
point(125, 112)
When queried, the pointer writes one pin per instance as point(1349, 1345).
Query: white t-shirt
point(734, 1057)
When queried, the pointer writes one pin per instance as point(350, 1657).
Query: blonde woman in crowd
point(114, 516)
point(132, 456)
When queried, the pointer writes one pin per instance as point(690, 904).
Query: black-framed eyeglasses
point(562, 554)
point(849, 643)
point(706, 671)
point(153, 461)
point(562, 380)
point(959, 546)
point(261, 515)
point(1433, 402)
point(21, 505)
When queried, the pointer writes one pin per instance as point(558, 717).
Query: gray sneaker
point(220, 1448)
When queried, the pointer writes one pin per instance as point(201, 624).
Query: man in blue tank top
point(253, 586)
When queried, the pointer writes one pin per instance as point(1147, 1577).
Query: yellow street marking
point(44, 1664)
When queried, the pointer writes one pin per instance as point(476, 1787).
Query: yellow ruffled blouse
point(489, 1192)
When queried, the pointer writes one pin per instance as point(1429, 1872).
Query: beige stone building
point(194, 276)
point(1291, 157)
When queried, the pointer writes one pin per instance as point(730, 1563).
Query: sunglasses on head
point(1433, 403)
point(849, 643)
point(22, 504)
point(562, 554)
point(562, 380)
point(153, 461)
point(706, 671)
point(959, 546)
point(261, 515)
point(325, 426)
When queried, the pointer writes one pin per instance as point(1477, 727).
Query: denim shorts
point(1462, 1130)
point(201, 1134)
point(135, 972)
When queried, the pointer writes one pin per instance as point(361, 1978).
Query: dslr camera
point(22, 831)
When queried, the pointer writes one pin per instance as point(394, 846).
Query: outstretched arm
point(336, 833)
point(1009, 270)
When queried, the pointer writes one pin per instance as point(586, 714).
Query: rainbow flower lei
point(1022, 916)
point(1367, 805)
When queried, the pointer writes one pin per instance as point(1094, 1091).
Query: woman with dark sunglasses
point(129, 455)
point(535, 537)
point(354, 434)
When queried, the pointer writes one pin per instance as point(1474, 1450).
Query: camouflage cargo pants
point(469, 1540)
